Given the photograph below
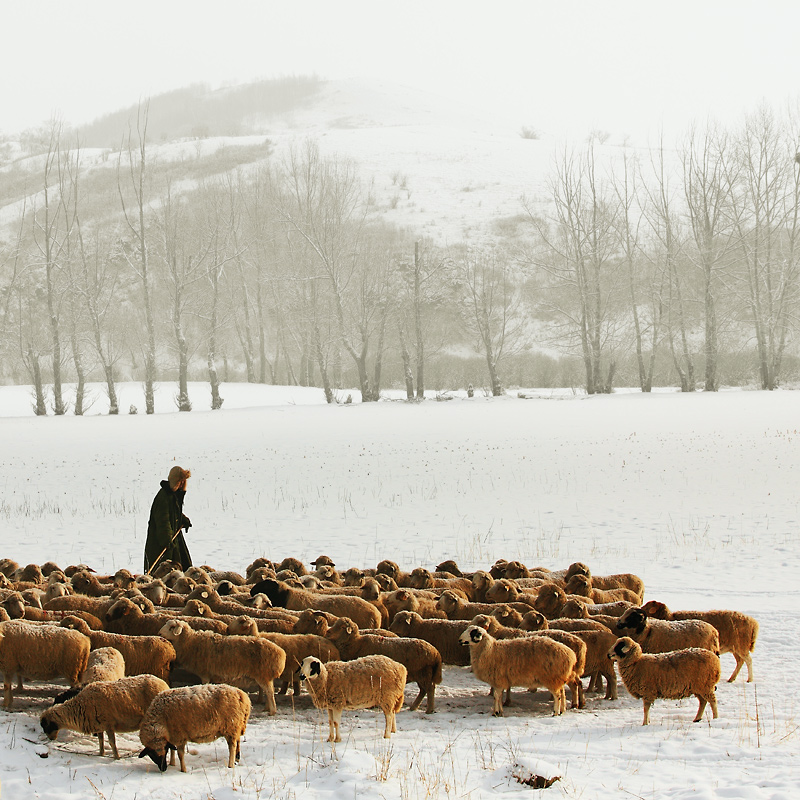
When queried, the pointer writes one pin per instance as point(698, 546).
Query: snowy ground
point(695, 493)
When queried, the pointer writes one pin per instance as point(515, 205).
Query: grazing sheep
point(420, 658)
point(40, 652)
point(296, 646)
point(194, 714)
point(213, 657)
point(281, 595)
point(531, 661)
point(660, 636)
point(582, 585)
point(671, 675)
point(104, 664)
point(362, 683)
point(143, 655)
point(443, 634)
point(108, 707)
point(737, 632)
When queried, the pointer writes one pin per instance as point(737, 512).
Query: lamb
point(296, 646)
point(582, 585)
point(280, 595)
point(40, 652)
point(737, 632)
point(443, 634)
point(531, 661)
point(213, 657)
point(362, 683)
point(457, 608)
point(104, 664)
point(660, 636)
point(143, 655)
point(420, 658)
point(108, 707)
point(671, 675)
point(194, 714)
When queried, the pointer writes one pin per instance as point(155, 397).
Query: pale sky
point(558, 65)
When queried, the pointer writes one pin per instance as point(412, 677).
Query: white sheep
point(108, 707)
point(671, 675)
point(40, 652)
point(362, 683)
point(194, 714)
point(530, 662)
point(104, 664)
point(226, 659)
point(737, 632)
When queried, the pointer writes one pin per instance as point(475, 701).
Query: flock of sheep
point(353, 638)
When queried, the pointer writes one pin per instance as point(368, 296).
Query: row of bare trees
point(694, 250)
point(286, 270)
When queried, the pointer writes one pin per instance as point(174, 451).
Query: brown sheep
point(737, 632)
point(582, 585)
point(660, 636)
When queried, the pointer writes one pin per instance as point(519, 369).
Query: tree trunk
point(407, 373)
point(40, 407)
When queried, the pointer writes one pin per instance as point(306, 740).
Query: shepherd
point(165, 540)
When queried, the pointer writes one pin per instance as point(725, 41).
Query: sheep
point(293, 564)
point(579, 608)
point(143, 655)
point(624, 580)
point(508, 616)
point(481, 582)
point(582, 585)
point(530, 661)
point(127, 618)
point(213, 657)
point(450, 566)
point(8, 567)
point(194, 714)
point(362, 683)
point(422, 578)
point(505, 590)
point(408, 600)
point(104, 664)
point(421, 659)
point(551, 599)
point(296, 646)
point(737, 632)
point(659, 636)
point(443, 634)
point(40, 652)
point(671, 675)
point(353, 576)
point(280, 595)
point(229, 605)
point(108, 707)
point(457, 608)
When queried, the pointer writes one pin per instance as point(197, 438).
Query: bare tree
point(578, 252)
point(490, 300)
point(707, 182)
point(135, 218)
point(766, 198)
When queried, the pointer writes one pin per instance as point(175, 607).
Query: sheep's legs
point(415, 705)
point(430, 708)
point(647, 704)
point(181, 753)
point(389, 728)
point(497, 707)
point(269, 705)
point(233, 751)
point(7, 696)
point(710, 700)
point(334, 719)
point(112, 742)
point(740, 661)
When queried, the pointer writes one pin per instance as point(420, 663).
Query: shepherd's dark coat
point(166, 519)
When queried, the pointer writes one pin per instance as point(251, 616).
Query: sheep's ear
point(349, 629)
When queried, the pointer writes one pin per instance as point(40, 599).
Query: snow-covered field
point(695, 493)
